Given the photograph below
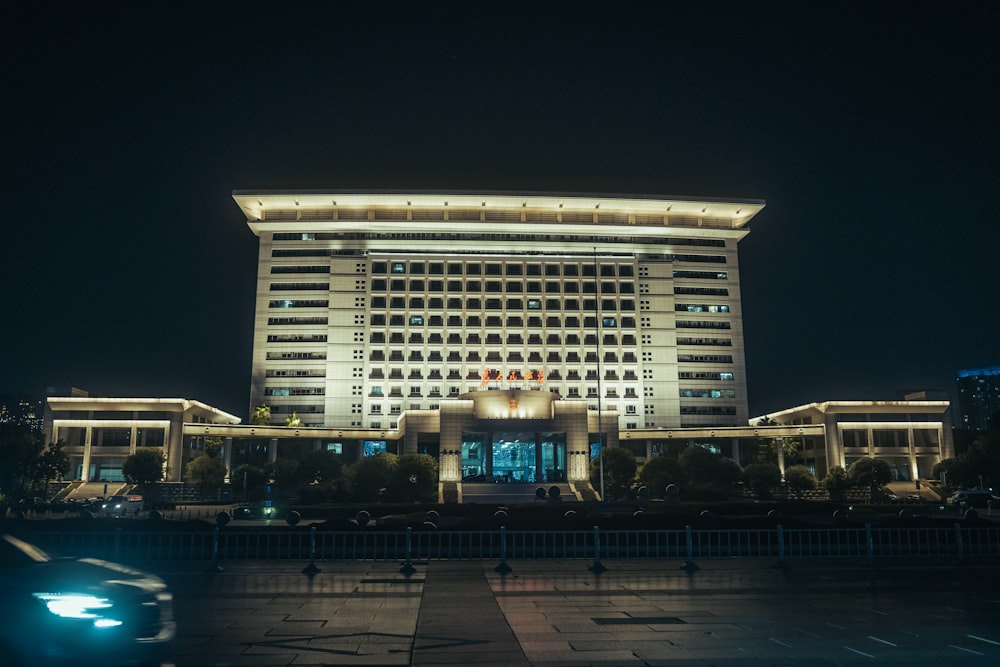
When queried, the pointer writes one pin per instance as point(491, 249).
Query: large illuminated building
point(371, 306)
point(509, 336)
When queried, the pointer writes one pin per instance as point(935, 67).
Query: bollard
point(781, 564)
point(596, 567)
point(689, 565)
point(870, 545)
point(503, 567)
point(407, 567)
point(311, 568)
point(215, 567)
point(959, 545)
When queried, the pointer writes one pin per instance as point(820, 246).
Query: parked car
point(973, 498)
point(79, 611)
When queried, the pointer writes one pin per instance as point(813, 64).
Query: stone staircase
point(507, 494)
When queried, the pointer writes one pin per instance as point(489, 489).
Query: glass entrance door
point(514, 458)
point(554, 457)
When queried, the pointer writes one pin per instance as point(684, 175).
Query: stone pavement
point(557, 613)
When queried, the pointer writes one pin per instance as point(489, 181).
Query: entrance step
point(505, 494)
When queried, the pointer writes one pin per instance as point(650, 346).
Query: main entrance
point(514, 457)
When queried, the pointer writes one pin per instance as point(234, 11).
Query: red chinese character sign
point(512, 379)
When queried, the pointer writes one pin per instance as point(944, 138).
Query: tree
point(250, 480)
point(619, 471)
point(836, 483)
point(54, 463)
point(283, 472)
point(214, 444)
point(23, 471)
point(760, 478)
point(706, 474)
point(800, 479)
point(261, 415)
point(320, 467)
point(415, 477)
point(206, 472)
point(370, 476)
point(144, 467)
point(293, 420)
point(870, 472)
point(657, 473)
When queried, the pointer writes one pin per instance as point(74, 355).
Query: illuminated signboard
point(512, 378)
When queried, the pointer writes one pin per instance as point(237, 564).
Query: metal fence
point(304, 543)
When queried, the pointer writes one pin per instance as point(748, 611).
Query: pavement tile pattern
point(729, 613)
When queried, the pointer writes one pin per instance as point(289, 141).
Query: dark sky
point(869, 128)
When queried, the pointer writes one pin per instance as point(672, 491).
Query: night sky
point(869, 128)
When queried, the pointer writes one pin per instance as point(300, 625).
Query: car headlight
point(80, 605)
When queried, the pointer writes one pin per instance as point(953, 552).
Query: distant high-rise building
point(22, 409)
point(371, 305)
point(979, 397)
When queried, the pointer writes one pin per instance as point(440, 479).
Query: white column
point(87, 442)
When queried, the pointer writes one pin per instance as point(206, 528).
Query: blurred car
point(119, 506)
point(973, 498)
point(262, 509)
point(79, 611)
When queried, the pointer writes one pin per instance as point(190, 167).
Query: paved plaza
point(555, 613)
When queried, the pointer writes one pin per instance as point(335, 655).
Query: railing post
point(596, 566)
point(503, 567)
point(959, 545)
point(781, 564)
point(870, 545)
point(407, 567)
point(689, 564)
point(311, 568)
point(215, 567)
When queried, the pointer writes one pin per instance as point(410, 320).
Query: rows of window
point(922, 437)
point(475, 303)
point(488, 237)
point(296, 338)
point(295, 372)
point(703, 324)
point(419, 268)
point(294, 391)
point(685, 340)
point(702, 291)
point(315, 287)
point(714, 410)
point(705, 358)
point(702, 275)
point(298, 303)
point(491, 321)
point(494, 236)
point(290, 268)
point(510, 286)
point(703, 375)
point(707, 393)
point(284, 321)
point(701, 307)
point(476, 338)
point(296, 355)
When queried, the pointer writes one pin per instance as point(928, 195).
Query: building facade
point(511, 337)
point(912, 436)
point(372, 305)
point(979, 397)
point(100, 433)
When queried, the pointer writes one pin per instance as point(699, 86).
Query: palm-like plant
point(262, 415)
